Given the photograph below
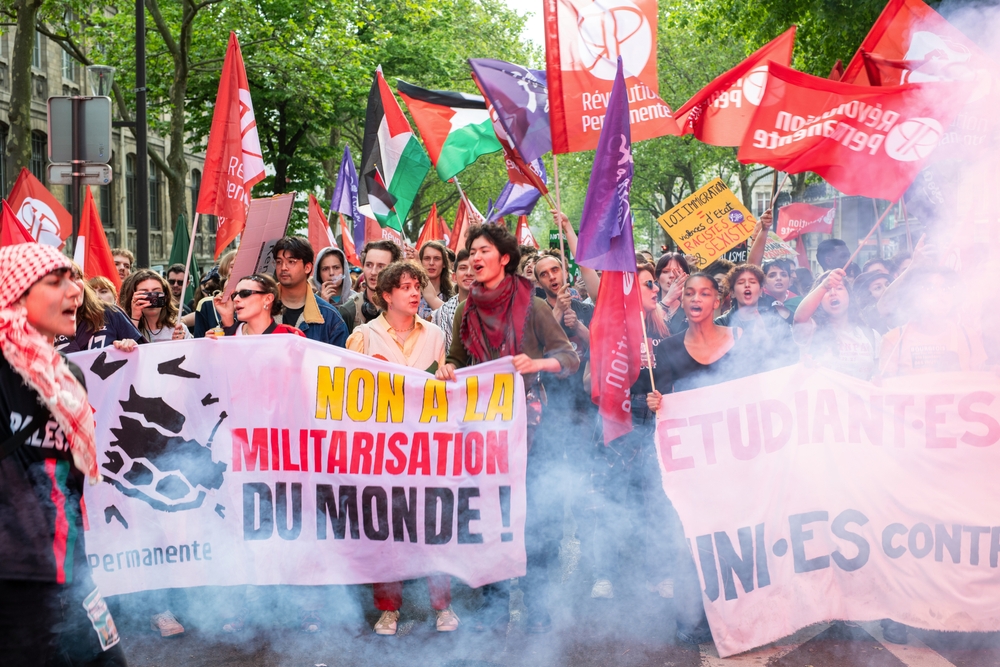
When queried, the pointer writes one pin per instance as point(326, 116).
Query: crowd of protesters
point(439, 312)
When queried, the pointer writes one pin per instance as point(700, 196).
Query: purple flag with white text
point(345, 198)
point(520, 98)
point(517, 199)
point(606, 224)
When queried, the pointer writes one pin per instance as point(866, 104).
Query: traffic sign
point(93, 174)
point(95, 117)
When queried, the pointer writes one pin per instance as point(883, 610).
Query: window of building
point(155, 199)
point(106, 208)
point(39, 150)
point(761, 201)
point(70, 67)
point(3, 159)
point(36, 53)
point(130, 191)
point(195, 192)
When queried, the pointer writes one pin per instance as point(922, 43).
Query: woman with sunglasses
point(254, 303)
point(626, 473)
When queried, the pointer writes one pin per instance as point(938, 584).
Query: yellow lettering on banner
point(472, 400)
point(708, 223)
point(361, 387)
point(501, 398)
point(435, 402)
point(329, 393)
point(390, 398)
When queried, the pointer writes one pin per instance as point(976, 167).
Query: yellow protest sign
point(708, 223)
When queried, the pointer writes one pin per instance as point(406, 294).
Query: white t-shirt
point(166, 333)
point(853, 351)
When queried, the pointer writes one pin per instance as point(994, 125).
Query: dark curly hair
point(391, 276)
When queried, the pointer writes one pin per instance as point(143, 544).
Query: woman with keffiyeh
point(51, 613)
point(501, 318)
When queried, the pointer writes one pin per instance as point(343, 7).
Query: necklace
point(406, 330)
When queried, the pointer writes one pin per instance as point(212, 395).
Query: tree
point(19, 143)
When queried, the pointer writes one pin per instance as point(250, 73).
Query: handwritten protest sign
point(708, 223)
point(280, 460)
point(808, 496)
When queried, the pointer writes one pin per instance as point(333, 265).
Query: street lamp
point(100, 78)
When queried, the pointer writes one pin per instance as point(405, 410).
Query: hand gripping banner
point(279, 460)
point(810, 496)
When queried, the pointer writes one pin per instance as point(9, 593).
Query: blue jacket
point(320, 321)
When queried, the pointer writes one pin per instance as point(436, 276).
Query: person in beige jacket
point(397, 335)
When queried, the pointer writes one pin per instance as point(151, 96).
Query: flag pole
point(187, 265)
point(649, 351)
point(775, 191)
point(871, 231)
point(562, 246)
point(906, 221)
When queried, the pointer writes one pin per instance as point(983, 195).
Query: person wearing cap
point(52, 613)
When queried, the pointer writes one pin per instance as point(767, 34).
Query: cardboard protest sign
point(775, 248)
point(708, 223)
point(808, 496)
point(280, 460)
point(267, 222)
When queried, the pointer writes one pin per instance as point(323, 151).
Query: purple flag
point(517, 199)
point(345, 199)
point(520, 97)
point(605, 242)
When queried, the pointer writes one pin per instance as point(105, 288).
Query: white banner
point(809, 496)
point(279, 460)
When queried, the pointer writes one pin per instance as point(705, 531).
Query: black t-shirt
point(40, 491)
point(290, 316)
point(677, 370)
point(642, 386)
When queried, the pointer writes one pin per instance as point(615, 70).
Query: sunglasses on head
point(245, 293)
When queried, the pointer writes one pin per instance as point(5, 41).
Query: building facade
point(53, 73)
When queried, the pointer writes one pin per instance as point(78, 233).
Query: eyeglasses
point(176, 282)
point(651, 284)
point(245, 293)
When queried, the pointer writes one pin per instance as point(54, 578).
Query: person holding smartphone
point(145, 296)
point(331, 276)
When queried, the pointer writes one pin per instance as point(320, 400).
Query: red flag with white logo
point(92, 251)
point(720, 113)
point(12, 232)
point(912, 43)
point(583, 40)
point(862, 140)
point(524, 235)
point(40, 213)
point(320, 234)
point(797, 219)
point(616, 350)
point(234, 162)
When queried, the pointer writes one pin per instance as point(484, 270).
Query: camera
point(156, 299)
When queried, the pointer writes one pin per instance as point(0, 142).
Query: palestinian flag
point(455, 127)
point(393, 164)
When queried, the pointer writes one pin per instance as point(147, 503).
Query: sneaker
point(602, 589)
point(894, 631)
point(166, 624)
point(234, 625)
point(693, 639)
point(310, 623)
point(666, 588)
point(491, 617)
point(386, 624)
point(447, 620)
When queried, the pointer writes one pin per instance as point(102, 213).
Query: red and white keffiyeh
point(33, 356)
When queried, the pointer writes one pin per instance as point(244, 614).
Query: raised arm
point(756, 253)
point(590, 277)
point(811, 301)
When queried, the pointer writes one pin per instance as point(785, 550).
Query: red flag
point(583, 40)
point(837, 71)
point(345, 237)
point(92, 251)
point(912, 43)
point(720, 113)
point(234, 162)
point(320, 234)
point(432, 229)
point(460, 230)
point(616, 345)
point(524, 235)
point(12, 231)
point(46, 220)
point(797, 219)
point(862, 140)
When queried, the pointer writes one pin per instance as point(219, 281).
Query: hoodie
point(345, 286)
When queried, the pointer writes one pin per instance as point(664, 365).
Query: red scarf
point(494, 319)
